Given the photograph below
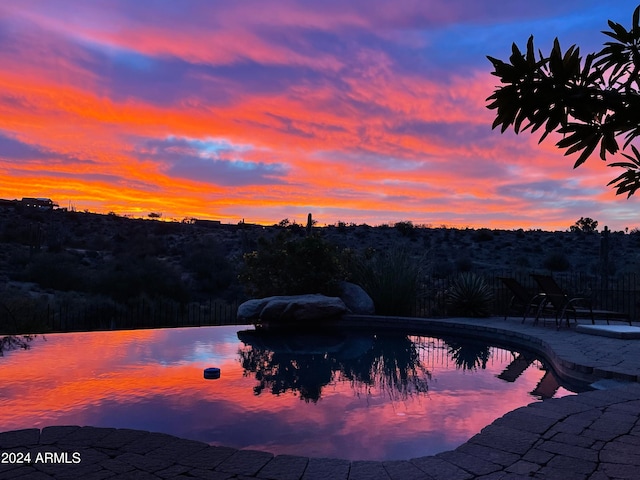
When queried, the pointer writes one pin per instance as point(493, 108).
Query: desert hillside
point(79, 257)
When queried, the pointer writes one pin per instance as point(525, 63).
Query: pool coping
point(588, 435)
point(616, 331)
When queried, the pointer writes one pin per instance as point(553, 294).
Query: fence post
point(604, 257)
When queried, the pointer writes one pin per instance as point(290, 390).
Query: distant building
point(38, 203)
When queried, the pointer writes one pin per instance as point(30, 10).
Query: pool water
point(359, 396)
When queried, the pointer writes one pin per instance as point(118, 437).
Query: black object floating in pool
point(211, 373)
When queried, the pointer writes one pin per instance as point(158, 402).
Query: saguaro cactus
point(309, 224)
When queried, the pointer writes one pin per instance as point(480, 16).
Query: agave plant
point(470, 296)
point(469, 355)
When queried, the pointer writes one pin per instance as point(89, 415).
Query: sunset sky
point(362, 111)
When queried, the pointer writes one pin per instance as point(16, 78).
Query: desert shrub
point(22, 313)
point(58, 271)
point(464, 264)
point(405, 228)
point(54, 238)
point(34, 214)
point(483, 235)
point(521, 261)
point(469, 295)
point(141, 244)
point(130, 277)
point(296, 228)
point(441, 269)
point(15, 231)
point(210, 267)
point(584, 225)
point(556, 262)
point(391, 280)
point(362, 231)
point(167, 228)
point(289, 265)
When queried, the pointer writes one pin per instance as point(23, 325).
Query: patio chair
point(547, 386)
point(564, 305)
point(522, 297)
point(516, 368)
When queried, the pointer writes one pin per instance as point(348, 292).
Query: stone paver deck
point(593, 435)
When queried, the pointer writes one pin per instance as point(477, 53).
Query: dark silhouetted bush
point(441, 269)
point(58, 271)
point(288, 265)
point(483, 235)
point(406, 228)
point(210, 267)
point(464, 264)
point(22, 313)
point(521, 261)
point(584, 225)
point(556, 262)
point(130, 277)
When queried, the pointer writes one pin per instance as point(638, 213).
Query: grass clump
point(391, 279)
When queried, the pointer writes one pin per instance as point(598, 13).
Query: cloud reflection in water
point(365, 396)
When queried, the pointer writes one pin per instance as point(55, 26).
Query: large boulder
point(297, 309)
point(356, 299)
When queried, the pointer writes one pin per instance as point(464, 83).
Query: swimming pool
point(347, 394)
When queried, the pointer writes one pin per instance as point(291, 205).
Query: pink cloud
point(323, 94)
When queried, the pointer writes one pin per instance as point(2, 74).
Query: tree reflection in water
point(14, 342)
point(304, 363)
point(467, 354)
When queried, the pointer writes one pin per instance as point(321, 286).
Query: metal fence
point(620, 293)
point(28, 317)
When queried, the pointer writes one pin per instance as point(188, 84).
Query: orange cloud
point(346, 112)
